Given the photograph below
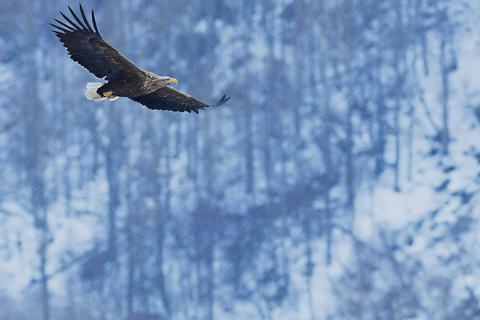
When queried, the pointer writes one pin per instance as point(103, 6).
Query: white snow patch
point(201, 26)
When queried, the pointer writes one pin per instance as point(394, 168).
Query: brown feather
point(168, 98)
point(87, 47)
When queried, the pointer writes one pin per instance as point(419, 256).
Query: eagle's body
point(87, 47)
point(144, 82)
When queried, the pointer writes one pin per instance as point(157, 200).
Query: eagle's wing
point(86, 46)
point(168, 98)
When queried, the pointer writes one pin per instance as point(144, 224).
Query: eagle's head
point(160, 80)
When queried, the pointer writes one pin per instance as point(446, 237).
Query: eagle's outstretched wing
point(86, 46)
point(168, 98)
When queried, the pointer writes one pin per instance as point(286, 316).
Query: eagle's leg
point(96, 91)
point(109, 95)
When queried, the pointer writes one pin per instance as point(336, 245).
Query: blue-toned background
point(341, 181)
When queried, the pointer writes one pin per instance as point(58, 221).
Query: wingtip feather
point(65, 25)
point(77, 19)
point(70, 21)
point(59, 28)
point(85, 19)
point(78, 25)
point(95, 24)
point(223, 100)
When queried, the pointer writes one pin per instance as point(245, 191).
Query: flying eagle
point(86, 46)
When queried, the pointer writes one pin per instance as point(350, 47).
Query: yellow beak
point(173, 80)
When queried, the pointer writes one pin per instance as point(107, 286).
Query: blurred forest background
point(341, 181)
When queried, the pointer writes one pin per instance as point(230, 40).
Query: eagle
point(86, 46)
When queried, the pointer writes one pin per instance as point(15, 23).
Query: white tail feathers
point(92, 94)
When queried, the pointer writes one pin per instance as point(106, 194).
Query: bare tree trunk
point(163, 211)
point(325, 143)
point(310, 264)
point(43, 250)
point(399, 84)
point(249, 147)
point(444, 135)
point(114, 158)
point(36, 155)
point(351, 100)
point(129, 234)
point(207, 234)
